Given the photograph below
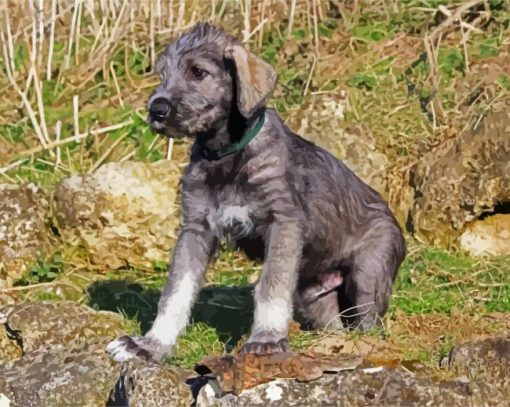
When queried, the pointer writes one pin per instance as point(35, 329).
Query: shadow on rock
point(227, 309)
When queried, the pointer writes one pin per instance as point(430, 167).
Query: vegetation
point(74, 79)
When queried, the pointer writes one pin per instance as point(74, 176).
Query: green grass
point(43, 271)
point(198, 341)
point(13, 133)
point(232, 268)
point(434, 280)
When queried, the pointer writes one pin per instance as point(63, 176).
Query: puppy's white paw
point(128, 347)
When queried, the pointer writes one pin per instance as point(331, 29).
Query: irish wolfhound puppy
point(329, 243)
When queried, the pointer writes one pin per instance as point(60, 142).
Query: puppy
point(329, 243)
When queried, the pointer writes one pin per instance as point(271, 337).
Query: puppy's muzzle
point(159, 110)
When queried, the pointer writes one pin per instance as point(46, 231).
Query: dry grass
point(100, 55)
point(97, 57)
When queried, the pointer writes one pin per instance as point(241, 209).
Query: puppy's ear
point(255, 79)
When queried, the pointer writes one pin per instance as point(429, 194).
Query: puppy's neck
point(220, 137)
point(226, 132)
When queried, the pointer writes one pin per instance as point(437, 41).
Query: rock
point(57, 355)
point(124, 213)
point(56, 325)
point(152, 384)
point(24, 213)
point(75, 375)
point(9, 349)
point(463, 179)
point(488, 236)
point(57, 358)
point(87, 376)
point(321, 120)
point(376, 387)
point(487, 358)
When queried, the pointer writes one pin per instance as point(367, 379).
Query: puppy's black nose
point(158, 109)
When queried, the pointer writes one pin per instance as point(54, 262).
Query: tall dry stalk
point(52, 38)
point(74, 19)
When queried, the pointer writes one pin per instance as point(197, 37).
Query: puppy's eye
point(199, 73)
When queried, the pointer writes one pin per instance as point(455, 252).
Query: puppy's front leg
point(191, 256)
point(274, 292)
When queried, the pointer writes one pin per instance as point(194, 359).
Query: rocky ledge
point(52, 354)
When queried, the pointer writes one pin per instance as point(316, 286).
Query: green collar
point(250, 133)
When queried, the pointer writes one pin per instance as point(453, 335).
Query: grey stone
point(24, 213)
point(387, 387)
point(153, 384)
point(462, 179)
point(74, 375)
point(124, 213)
point(49, 325)
point(485, 359)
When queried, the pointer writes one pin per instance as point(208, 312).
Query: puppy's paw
point(128, 347)
point(262, 346)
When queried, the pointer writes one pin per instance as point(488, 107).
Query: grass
point(430, 282)
point(434, 280)
point(375, 53)
point(198, 341)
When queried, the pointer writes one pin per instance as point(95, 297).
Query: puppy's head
point(205, 76)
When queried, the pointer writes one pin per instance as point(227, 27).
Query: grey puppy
point(329, 242)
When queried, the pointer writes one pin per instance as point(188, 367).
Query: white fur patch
point(122, 355)
point(174, 317)
point(272, 315)
point(118, 351)
point(230, 220)
point(113, 345)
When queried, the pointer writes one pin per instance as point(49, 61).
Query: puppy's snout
point(159, 109)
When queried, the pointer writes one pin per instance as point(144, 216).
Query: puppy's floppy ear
point(255, 79)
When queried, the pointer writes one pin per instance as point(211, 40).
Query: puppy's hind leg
point(318, 301)
point(319, 310)
point(368, 286)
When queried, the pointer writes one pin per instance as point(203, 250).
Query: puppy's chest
point(231, 221)
point(233, 211)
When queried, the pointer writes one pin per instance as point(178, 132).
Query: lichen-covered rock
point(463, 179)
point(53, 354)
point(321, 120)
point(124, 213)
point(24, 213)
point(69, 376)
point(154, 384)
point(488, 236)
point(55, 325)
point(9, 349)
point(487, 358)
point(389, 387)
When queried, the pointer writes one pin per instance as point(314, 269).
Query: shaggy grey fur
point(329, 242)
